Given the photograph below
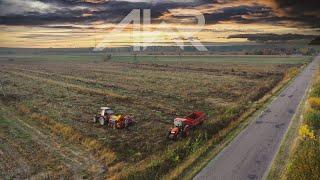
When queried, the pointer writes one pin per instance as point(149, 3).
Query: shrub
point(306, 161)
point(314, 102)
point(306, 132)
point(291, 72)
point(315, 92)
point(312, 118)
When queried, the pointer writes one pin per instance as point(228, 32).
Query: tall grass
point(312, 118)
point(305, 162)
point(314, 103)
point(292, 72)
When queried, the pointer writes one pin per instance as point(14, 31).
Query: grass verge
point(304, 161)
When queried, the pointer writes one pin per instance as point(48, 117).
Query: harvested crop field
point(46, 113)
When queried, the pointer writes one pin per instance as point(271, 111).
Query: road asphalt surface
point(250, 154)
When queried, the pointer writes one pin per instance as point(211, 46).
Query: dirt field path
point(249, 155)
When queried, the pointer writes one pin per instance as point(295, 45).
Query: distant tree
point(107, 58)
point(258, 52)
point(315, 41)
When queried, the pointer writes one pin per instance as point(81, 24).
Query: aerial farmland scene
point(137, 89)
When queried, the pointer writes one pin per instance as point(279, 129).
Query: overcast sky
point(84, 23)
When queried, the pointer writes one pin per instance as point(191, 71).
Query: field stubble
point(62, 97)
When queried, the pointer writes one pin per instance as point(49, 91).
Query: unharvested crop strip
point(79, 88)
point(73, 86)
point(88, 81)
point(79, 79)
point(84, 80)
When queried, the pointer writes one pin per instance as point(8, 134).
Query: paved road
point(249, 155)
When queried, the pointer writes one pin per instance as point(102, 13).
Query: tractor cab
point(104, 115)
point(182, 126)
point(106, 111)
point(178, 126)
point(108, 117)
point(179, 122)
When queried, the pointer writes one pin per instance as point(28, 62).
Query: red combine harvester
point(182, 126)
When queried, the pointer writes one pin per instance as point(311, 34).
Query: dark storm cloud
point(270, 37)
point(46, 12)
point(71, 11)
point(40, 19)
point(236, 13)
point(266, 15)
point(307, 12)
point(299, 6)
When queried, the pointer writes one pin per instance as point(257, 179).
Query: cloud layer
point(46, 12)
point(80, 23)
point(270, 37)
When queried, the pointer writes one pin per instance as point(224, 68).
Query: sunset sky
point(85, 23)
